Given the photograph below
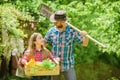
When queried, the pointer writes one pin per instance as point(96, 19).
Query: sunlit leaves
point(10, 17)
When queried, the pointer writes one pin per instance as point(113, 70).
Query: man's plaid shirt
point(62, 45)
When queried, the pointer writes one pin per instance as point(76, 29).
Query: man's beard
point(60, 26)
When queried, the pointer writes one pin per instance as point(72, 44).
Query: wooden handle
point(103, 46)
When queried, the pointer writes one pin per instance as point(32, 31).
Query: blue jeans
point(68, 75)
point(40, 78)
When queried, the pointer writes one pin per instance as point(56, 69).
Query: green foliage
point(30, 6)
point(113, 78)
point(10, 21)
point(16, 32)
point(10, 28)
point(1, 48)
point(107, 25)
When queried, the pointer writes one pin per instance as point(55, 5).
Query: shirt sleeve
point(47, 37)
point(25, 57)
point(78, 37)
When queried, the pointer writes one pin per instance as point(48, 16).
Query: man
point(62, 37)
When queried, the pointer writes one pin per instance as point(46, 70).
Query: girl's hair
point(31, 46)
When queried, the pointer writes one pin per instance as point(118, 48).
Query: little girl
point(37, 51)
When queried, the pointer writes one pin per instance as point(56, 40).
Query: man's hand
point(84, 33)
point(86, 39)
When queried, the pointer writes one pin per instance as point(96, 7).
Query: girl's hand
point(24, 62)
point(56, 60)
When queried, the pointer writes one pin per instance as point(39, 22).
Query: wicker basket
point(42, 72)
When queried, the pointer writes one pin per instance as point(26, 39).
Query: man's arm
point(85, 41)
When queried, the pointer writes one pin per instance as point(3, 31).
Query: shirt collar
point(66, 29)
point(37, 50)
